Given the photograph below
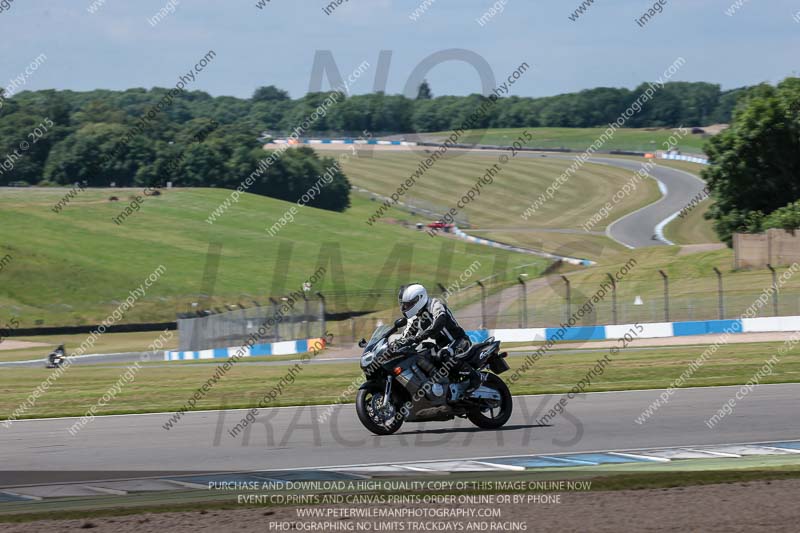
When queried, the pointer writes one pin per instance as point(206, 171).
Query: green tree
point(755, 164)
point(424, 91)
point(269, 94)
point(787, 217)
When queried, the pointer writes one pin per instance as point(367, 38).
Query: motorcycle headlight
point(367, 359)
point(369, 356)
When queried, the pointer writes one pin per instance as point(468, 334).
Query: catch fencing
point(647, 296)
point(510, 300)
point(304, 320)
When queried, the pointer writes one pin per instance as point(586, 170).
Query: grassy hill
point(632, 139)
point(76, 266)
point(692, 228)
point(497, 212)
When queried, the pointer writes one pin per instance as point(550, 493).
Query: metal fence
point(645, 297)
point(508, 302)
point(270, 323)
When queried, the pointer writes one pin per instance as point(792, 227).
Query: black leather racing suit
point(436, 322)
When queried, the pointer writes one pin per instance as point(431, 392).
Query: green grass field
point(77, 266)
point(693, 228)
point(497, 212)
point(577, 244)
point(631, 139)
point(165, 387)
point(107, 343)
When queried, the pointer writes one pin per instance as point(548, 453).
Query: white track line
point(664, 191)
point(663, 224)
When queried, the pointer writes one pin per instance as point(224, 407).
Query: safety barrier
point(682, 157)
point(345, 141)
point(649, 330)
point(494, 244)
point(257, 350)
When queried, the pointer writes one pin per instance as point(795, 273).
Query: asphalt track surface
point(641, 228)
point(93, 359)
point(293, 437)
point(644, 227)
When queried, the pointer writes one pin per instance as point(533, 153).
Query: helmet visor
point(406, 306)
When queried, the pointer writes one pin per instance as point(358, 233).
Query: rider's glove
point(403, 343)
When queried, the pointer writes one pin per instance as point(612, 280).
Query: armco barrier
point(575, 333)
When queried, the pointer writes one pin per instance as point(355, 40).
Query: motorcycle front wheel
point(379, 419)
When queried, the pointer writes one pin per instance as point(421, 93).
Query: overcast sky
point(117, 48)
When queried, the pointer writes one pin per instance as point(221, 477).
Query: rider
point(58, 352)
point(430, 318)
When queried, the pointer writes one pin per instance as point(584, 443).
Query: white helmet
point(412, 299)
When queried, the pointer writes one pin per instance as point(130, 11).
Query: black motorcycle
point(415, 384)
point(56, 358)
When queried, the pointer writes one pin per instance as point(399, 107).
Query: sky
point(120, 45)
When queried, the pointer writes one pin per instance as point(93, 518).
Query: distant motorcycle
point(56, 357)
point(404, 385)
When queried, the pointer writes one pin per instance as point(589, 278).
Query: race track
point(292, 437)
point(638, 229)
point(644, 226)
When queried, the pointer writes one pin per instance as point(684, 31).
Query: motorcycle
point(56, 358)
point(404, 385)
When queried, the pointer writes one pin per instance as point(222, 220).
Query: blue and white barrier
point(347, 141)
point(486, 242)
point(257, 350)
point(649, 330)
point(681, 157)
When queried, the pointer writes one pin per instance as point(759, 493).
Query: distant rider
point(58, 352)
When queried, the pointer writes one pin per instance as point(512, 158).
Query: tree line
point(97, 139)
point(754, 171)
point(102, 137)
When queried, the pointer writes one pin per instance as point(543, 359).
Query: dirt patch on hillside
point(734, 507)
point(20, 345)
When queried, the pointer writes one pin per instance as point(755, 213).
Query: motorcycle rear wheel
point(497, 416)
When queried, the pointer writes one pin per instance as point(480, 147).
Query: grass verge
point(163, 387)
